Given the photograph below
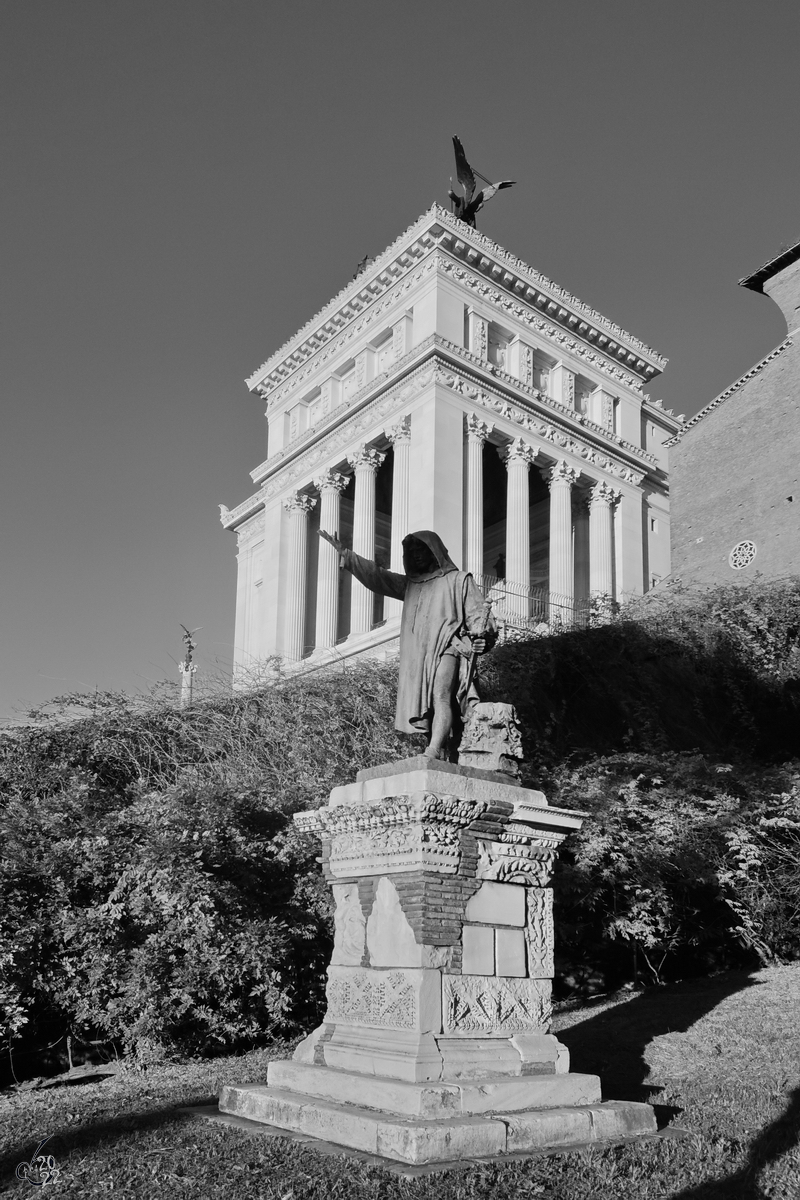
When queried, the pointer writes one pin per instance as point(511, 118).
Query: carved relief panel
point(480, 1005)
point(539, 933)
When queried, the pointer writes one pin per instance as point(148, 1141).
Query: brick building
point(735, 497)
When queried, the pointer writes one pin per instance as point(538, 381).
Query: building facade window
point(742, 555)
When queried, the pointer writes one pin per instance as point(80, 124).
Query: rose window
point(742, 555)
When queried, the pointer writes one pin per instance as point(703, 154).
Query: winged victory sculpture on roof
point(466, 207)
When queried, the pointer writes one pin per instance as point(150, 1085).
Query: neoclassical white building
point(450, 386)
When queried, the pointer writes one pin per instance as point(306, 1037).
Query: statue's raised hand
point(333, 540)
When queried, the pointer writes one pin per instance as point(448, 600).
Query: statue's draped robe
point(437, 607)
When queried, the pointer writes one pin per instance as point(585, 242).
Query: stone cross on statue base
point(436, 1043)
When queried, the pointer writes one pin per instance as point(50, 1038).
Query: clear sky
point(185, 182)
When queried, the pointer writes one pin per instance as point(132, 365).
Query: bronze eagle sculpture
point(466, 207)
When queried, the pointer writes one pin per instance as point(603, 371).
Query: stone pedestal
point(436, 1042)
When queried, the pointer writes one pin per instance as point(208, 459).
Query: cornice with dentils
point(481, 254)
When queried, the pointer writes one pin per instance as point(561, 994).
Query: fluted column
point(298, 507)
point(365, 461)
point(518, 458)
point(477, 433)
point(580, 520)
point(601, 543)
point(330, 485)
point(399, 435)
point(562, 571)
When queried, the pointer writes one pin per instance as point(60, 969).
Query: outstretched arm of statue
point(333, 540)
point(374, 577)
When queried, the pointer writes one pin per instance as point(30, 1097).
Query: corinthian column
point(602, 499)
point(562, 572)
point(400, 437)
point(477, 433)
point(365, 462)
point(330, 485)
point(298, 507)
point(518, 458)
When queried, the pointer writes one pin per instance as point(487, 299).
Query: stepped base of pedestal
point(429, 1123)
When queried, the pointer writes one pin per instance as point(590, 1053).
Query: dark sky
point(185, 182)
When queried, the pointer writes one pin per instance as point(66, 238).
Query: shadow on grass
point(70, 1141)
point(613, 1044)
point(775, 1140)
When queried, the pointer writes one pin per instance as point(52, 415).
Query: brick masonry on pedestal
point(435, 1044)
point(440, 882)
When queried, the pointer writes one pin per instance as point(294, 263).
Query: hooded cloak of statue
point(439, 608)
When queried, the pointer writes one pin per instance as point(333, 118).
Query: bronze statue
point(466, 207)
point(446, 624)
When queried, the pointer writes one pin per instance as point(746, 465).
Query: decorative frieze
point(349, 926)
point(302, 462)
point(518, 858)
point(539, 933)
point(400, 834)
point(344, 434)
point(531, 318)
point(526, 365)
point(400, 998)
point(557, 435)
point(383, 998)
point(483, 1005)
point(517, 265)
point(372, 312)
point(478, 332)
point(250, 532)
point(393, 272)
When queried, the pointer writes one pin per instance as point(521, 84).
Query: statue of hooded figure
point(445, 622)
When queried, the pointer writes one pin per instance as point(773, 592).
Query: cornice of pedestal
point(489, 270)
point(555, 429)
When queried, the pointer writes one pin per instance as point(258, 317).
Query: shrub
point(153, 889)
point(683, 866)
point(152, 886)
point(717, 671)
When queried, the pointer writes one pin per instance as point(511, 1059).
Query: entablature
point(489, 264)
point(442, 362)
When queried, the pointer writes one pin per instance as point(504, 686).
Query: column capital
point(519, 451)
point(331, 481)
point(478, 430)
point(603, 493)
point(561, 473)
point(300, 502)
point(365, 458)
point(400, 431)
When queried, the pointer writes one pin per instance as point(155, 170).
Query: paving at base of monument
point(436, 1043)
point(212, 1113)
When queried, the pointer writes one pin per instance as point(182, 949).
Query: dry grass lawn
point(720, 1057)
